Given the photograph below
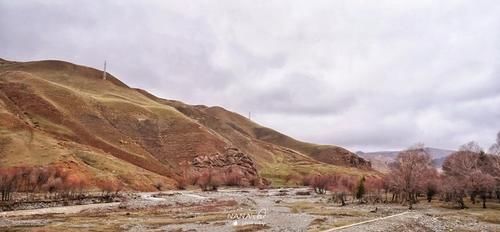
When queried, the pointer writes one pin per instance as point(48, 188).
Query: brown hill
point(58, 113)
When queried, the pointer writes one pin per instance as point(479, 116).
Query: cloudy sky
point(366, 75)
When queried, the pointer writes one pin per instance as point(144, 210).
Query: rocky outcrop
point(340, 156)
point(232, 157)
point(230, 161)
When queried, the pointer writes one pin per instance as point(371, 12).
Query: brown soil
point(54, 112)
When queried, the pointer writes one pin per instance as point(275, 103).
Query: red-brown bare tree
point(8, 182)
point(460, 164)
point(457, 167)
point(473, 172)
point(320, 183)
point(430, 183)
point(471, 146)
point(495, 148)
point(409, 169)
point(107, 187)
point(374, 188)
point(340, 185)
point(481, 184)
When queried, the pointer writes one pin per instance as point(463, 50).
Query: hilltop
point(61, 114)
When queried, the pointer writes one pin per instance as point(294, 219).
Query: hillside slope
point(58, 113)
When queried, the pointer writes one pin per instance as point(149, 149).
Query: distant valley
point(380, 160)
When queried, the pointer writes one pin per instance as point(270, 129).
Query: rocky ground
point(248, 210)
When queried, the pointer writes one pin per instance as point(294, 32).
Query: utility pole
point(104, 72)
point(249, 115)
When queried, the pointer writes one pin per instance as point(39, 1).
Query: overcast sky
point(366, 75)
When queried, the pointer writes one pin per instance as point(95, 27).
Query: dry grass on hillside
point(57, 112)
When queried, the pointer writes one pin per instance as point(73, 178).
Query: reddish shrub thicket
point(307, 180)
point(339, 185)
point(109, 187)
point(57, 181)
point(293, 178)
point(320, 183)
point(209, 180)
point(235, 177)
point(187, 177)
point(8, 182)
point(374, 188)
point(74, 185)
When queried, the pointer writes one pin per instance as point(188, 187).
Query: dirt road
point(364, 222)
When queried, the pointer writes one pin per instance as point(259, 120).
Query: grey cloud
point(365, 75)
point(299, 93)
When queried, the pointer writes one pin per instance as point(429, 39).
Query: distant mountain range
point(381, 159)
